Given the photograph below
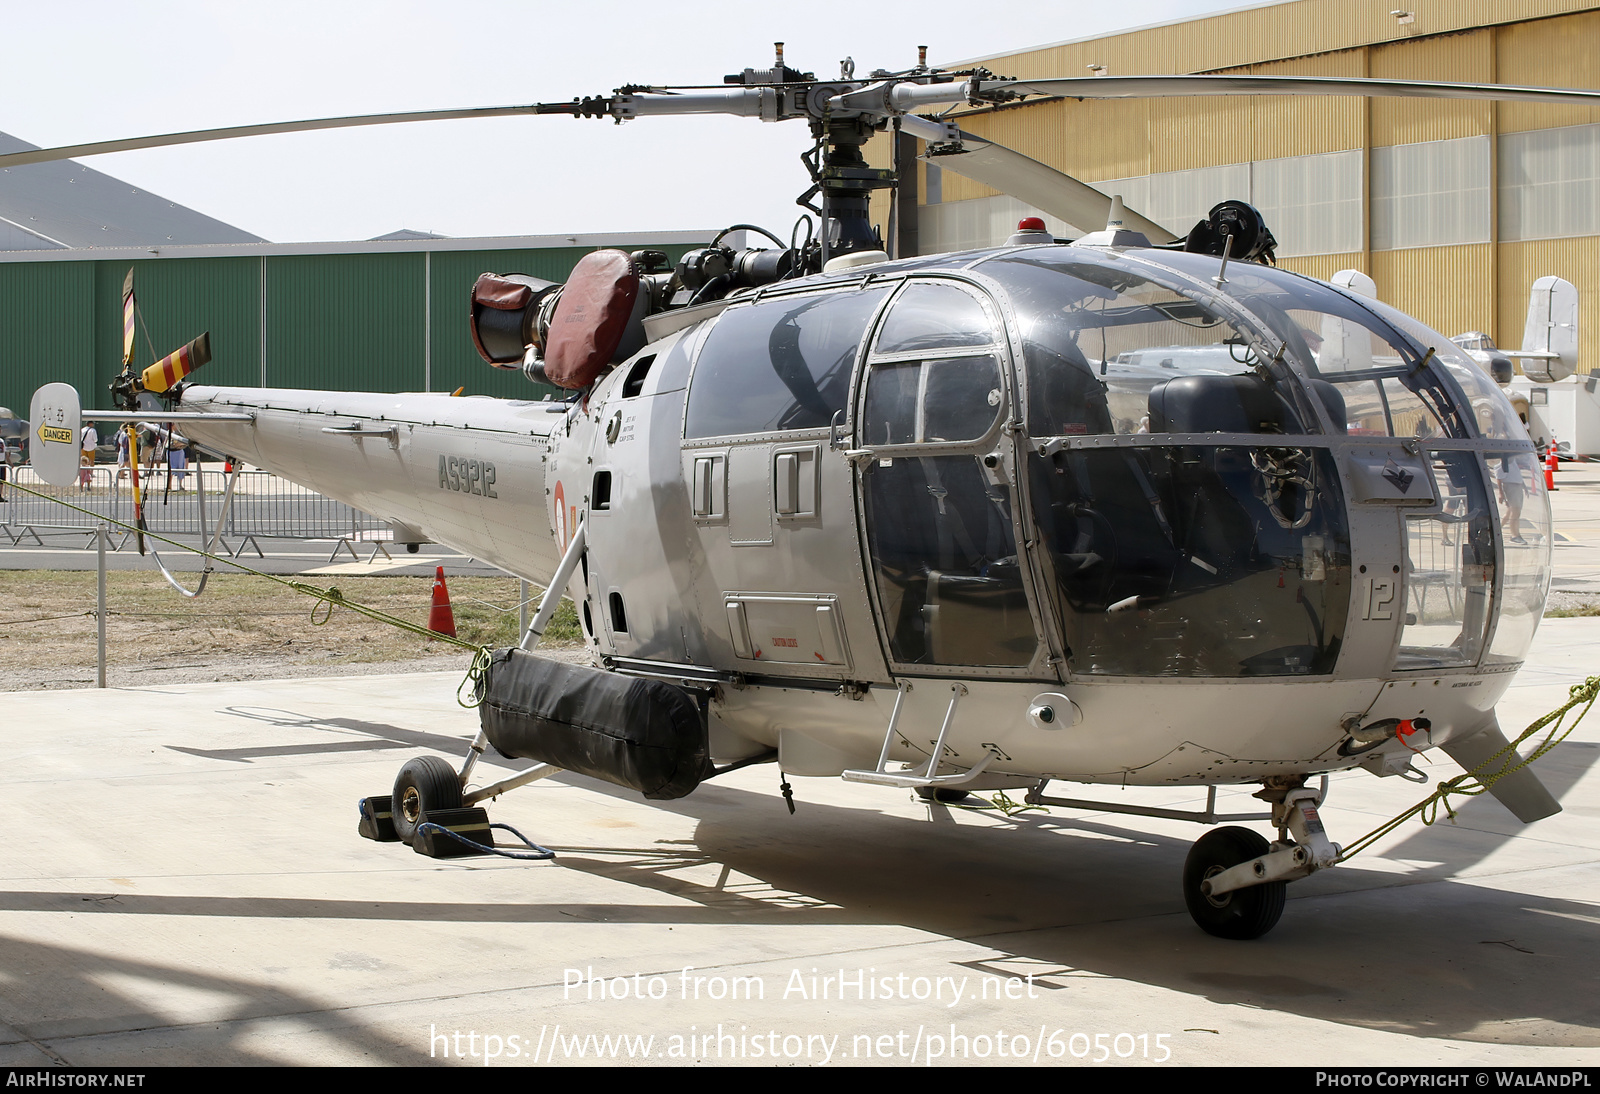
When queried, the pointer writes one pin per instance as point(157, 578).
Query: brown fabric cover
point(494, 291)
point(501, 294)
point(591, 317)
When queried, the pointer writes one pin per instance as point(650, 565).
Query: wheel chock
point(470, 823)
point(377, 823)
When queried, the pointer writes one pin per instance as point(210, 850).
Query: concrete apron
point(183, 884)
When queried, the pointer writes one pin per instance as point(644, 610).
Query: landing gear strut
point(1234, 880)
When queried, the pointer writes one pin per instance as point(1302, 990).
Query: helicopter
point(1133, 510)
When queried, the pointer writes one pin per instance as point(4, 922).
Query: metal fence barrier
point(264, 505)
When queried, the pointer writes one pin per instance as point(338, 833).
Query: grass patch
point(47, 619)
point(1573, 613)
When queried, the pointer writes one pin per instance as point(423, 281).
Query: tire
point(942, 795)
point(1244, 913)
point(424, 785)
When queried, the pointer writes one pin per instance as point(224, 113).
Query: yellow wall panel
point(1325, 266)
point(1199, 132)
point(1259, 34)
point(1561, 52)
point(1304, 125)
point(1457, 58)
point(1110, 138)
point(1574, 259)
point(1091, 139)
point(1041, 129)
point(1448, 288)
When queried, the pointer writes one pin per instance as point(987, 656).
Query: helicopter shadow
point(1424, 952)
point(101, 1015)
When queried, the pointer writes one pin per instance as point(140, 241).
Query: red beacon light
point(1030, 230)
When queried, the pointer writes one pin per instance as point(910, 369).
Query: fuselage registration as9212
point(467, 476)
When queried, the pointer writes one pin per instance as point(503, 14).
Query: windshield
point(1109, 349)
point(1356, 349)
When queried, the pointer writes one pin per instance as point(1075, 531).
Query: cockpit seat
point(1233, 404)
point(1333, 402)
point(1215, 404)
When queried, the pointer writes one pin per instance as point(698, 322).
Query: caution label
point(55, 433)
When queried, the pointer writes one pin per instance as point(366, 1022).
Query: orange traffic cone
point(441, 620)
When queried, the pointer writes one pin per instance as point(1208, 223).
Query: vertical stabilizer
point(1521, 791)
point(1551, 331)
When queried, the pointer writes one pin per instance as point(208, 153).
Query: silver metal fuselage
point(1149, 577)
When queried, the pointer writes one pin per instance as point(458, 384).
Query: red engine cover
point(591, 318)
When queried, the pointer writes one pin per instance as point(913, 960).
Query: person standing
point(88, 441)
point(1513, 490)
point(5, 466)
point(122, 459)
point(177, 457)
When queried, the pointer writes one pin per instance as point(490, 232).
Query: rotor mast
point(840, 174)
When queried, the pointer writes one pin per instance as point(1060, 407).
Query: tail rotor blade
point(128, 306)
point(175, 366)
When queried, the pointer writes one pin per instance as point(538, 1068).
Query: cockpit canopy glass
point(779, 365)
point(931, 315)
point(1357, 354)
point(935, 373)
point(1491, 410)
point(1108, 348)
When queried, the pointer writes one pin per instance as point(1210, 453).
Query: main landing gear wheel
point(424, 785)
point(1244, 913)
point(943, 795)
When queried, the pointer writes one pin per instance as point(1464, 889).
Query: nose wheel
point(1240, 913)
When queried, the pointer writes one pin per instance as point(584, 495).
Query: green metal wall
point(345, 322)
point(47, 329)
point(336, 322)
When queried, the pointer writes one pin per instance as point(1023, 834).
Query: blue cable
point(537, 854)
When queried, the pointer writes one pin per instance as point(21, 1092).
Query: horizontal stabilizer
point(1520, 791)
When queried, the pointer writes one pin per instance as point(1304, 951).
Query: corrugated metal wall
point(347, 322)
point(47, 330)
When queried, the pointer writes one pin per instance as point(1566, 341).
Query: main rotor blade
point(915, 97)
point(1140, 87)
point(75, 151)
point(1029, 181)
point(1041, 186)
